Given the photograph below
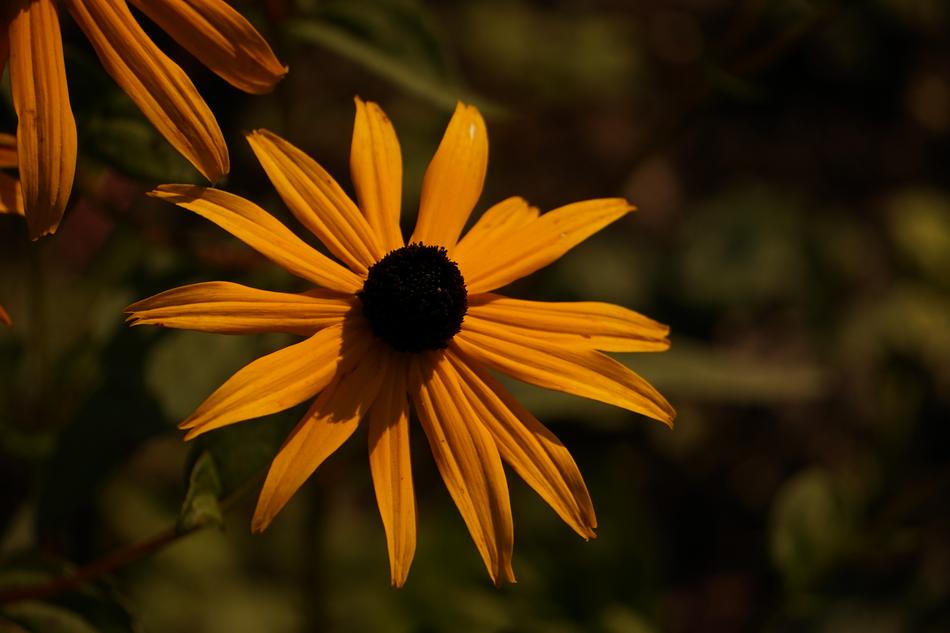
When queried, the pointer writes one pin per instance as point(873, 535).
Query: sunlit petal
point(46, 130)
point(508, 215)
point(376, 169)
point(221, 38)
point(228, 308)
point(155, 83)
point(454, 179)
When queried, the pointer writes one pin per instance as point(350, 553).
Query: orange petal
point(585, 324)
point(227, 308)
point(221, 38)
point(276, 382)
point(468, 460)
point(314, 197)
point(46, 133)
point(493, 225)
point(454, 179)
point(330, 421)
point(155, 83)
point(11, 195)
point(5, 318)
point(532, 450)
point(376, 169)
point(7, 146)
point(582, 372)
point(262, 232)
point(536, 244)
point(392, 469)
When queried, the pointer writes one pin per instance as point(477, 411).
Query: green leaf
point(201, 505)
point(391, 39)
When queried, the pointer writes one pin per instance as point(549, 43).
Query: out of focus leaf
point(201, 505)
point(392, 39)
point(810, 523)
point(920, 226)
point(132, 145)
point(42, 617)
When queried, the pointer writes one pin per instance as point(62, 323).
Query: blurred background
point(791, 163)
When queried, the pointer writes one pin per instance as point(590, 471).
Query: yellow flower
point(412, 325)
point(210, 29)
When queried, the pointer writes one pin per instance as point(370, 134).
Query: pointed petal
point(11, 196)
point(317, 201)
point(468, 460)
point(262, 232)
point(277, 381)
point(585, 324)
point(221, 39)
point(535, 453)
point(7, 144)
point(159, 87)
point(392, 470)
point(330, 421)
point(536, 244)
point(46, 133)
point(227, 308)
point(581, 372)
point(508, 215)
point(376, 169)
point(454, 179)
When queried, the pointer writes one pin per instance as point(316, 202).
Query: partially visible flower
point(413, 326)
point(11, 196)
point(210, 29)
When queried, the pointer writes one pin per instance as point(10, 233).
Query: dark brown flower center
point(415, 298)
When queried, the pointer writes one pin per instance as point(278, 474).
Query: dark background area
point(791, 164)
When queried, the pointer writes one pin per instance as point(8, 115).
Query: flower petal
point(532, 450)
point(11, 195)
point(581, 372)
point(46, 133)
point(508, 215)
point(468, 460)
point(262, 232)
point(228, 308)
point(159, 87)
point(536, 244)
point(7, 144)
point(276, 382)
point(5, 318)
point(331, 420)
point(391, 468)
point(454, 179)
point(221, 38)
point(317, 201)
point(376, 169)
point(585, 324)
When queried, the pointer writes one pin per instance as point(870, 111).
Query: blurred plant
point(210, 29)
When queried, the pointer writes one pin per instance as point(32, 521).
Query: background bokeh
point(791, 163)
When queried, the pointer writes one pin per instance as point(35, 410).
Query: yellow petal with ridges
point(391, 468)
point(221, 38)
point(376, 169)
point(538, 243)
point(330, 421)
point(262, 232)
point(229, 308)
point(573, 370)
point(535, 453)
point(585, 324)
point(317, 201)
point(454, 179)
point(157, 85)
point(468, 461)
point(276, 382)
point(46, 130)
point(508, 215)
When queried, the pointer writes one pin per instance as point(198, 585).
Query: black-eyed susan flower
point(210, 29)
point(412, 325)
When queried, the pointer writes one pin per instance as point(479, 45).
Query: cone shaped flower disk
point(30, 37)
point(394, 327)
